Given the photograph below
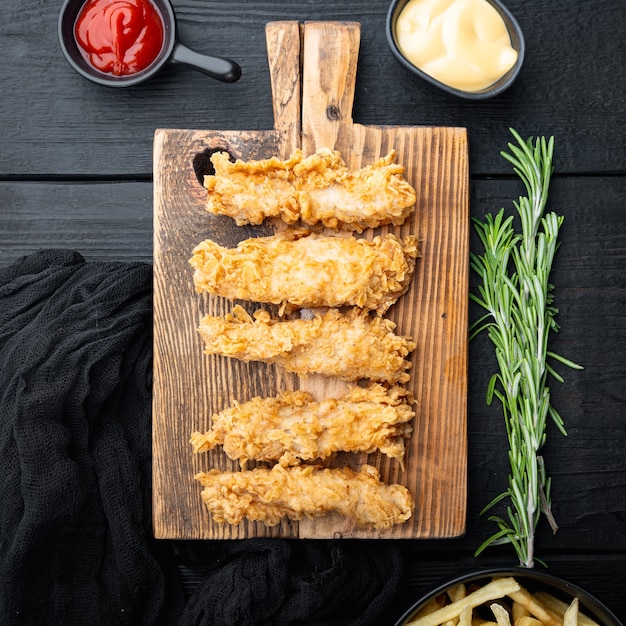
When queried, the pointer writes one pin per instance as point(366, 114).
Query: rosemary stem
point(516, 294)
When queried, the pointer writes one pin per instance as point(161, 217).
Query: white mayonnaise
point(461, 43)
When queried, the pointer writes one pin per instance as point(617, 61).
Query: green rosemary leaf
point(557, 419)
point(565, 361)
point(499, 538)
point(493, 503)
point(491, 388)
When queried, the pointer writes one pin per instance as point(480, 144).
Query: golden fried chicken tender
point(298, 269)
point(317, 189)
point(301, 491)
point(346, 345)
point(291, 427)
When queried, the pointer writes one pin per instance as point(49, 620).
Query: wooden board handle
point(330, 55)
point(313, 78)
point(283, 40)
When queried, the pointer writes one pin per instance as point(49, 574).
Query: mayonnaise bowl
point(467, 40)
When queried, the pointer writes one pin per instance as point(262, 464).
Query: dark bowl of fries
point(509, 597)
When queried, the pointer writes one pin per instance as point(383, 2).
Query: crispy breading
point(317, 189)
point(301, 491)
point(291, 427)
point(346, 345)
point(303, 269)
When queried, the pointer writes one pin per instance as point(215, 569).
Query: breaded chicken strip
point(315, 189)
point(348, 346)
point(304, 269)
point(291, 427)
point(300, 491)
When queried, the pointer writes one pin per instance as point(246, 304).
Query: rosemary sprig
point(517, 295)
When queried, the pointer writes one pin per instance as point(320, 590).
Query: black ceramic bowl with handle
point(533, 580)
point(172, 51)
point(502, 84)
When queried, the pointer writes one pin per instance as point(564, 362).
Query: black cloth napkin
point(75, 470)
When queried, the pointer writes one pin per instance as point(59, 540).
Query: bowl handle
point(216, 67)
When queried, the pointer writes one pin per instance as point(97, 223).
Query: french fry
point(501, 614)
point(528, 620)
point(535, 607)
point(494, 590)
point(559, 607)
point(465, 618)
point(570, 618)
point(518, 611)
point(458, 592)
point(455, 594)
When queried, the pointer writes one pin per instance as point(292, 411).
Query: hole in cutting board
point(202, 165)
point(224, 230)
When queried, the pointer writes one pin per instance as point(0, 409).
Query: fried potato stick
point(535, 607)
point(317, 189)
point(497, 588)
point(570, 617)
point(527, 620)
point(502, 616)
point(298, 269)
point(301, 491)
point(291, 427)
point(348, 346)
point(559, 607)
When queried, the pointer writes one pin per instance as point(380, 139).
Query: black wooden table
point(76, 172)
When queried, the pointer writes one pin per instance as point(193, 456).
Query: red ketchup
point(119, 37)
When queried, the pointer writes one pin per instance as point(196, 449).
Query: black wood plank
point(55, 122)
point(103, 221)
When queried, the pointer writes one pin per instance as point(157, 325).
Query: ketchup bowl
point(95, 60)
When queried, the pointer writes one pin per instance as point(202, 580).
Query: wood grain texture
point(189, 386)
point(109, 220)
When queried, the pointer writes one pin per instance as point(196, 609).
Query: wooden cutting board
point(313, 68)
